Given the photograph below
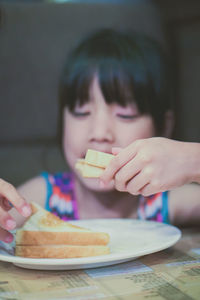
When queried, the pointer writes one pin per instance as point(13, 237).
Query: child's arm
point(184, 205)
point(153, 165)
point(10, 197)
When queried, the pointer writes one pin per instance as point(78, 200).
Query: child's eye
point(81, 114)
point(127, 117)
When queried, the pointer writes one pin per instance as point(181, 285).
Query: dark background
point(35, 37)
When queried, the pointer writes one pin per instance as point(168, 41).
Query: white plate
point(129, 239)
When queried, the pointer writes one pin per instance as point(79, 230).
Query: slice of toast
point(97, 158)
point(46, 235)
point(87, 170)
point(94, 163)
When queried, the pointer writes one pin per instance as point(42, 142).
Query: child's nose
point(102, 129)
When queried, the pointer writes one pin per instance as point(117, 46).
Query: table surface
point(170, 274)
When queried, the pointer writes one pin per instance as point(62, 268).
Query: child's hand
point(9, 197)
point(150, 166)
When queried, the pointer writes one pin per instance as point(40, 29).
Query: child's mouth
point(97, 149)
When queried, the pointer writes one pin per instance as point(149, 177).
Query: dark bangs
point(118, 82)
point(124, 82)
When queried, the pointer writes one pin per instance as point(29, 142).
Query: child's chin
point(94, 185)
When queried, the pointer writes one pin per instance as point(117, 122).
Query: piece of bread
point(94, 163)
point(88, 170)
point(43, 233)
point(97, 158)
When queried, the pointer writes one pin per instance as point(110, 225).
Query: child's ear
point(169, 124)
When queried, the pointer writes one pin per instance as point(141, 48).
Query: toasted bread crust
point(60, 251)
point(65, 238)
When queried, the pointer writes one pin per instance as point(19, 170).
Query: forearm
point(184, 205)
point(192, 161)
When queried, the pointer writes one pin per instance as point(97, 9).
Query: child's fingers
point(127, 173)
point(152, 187)
point(137, 183)
point(122, 158)
point(5, 204)
point(5, 236)
point(9, 193)
point(6, 221)
point(147, 190)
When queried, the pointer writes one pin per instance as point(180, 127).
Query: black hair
point(130, 67)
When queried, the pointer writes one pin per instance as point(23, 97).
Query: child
point(114, 90)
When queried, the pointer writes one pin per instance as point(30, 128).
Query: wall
point(181, 20)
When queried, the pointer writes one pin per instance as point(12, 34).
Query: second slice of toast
point(44, 228)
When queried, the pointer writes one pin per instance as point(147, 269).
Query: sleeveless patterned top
point(61, 200)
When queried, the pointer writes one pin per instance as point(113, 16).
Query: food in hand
point(94, 163)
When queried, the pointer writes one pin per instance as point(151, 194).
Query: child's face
point(101, 126)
